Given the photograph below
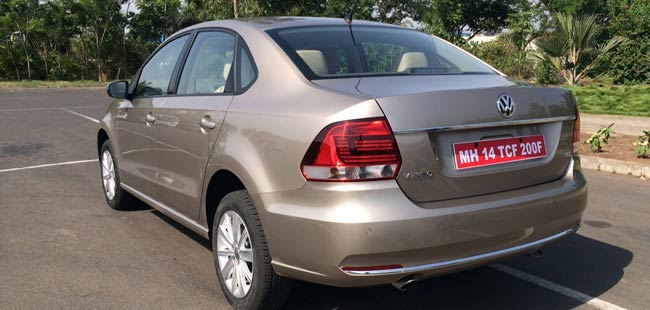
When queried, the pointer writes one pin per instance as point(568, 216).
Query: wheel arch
point(102, 136)
point(221, 183)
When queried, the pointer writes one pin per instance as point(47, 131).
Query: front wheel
point(242, 256)
point(116, 197)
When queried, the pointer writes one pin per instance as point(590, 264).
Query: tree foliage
point(630, 64)
point(573, 49)
point(450, 18)
point(103, 40)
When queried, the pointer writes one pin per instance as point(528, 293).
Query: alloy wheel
point(235, 254)
point(108, 175)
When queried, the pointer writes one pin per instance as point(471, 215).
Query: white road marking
point(84, 116)
point(579, 296)
point(49, 165)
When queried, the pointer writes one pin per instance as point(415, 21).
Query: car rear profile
point(462, 167)
point(363, 154)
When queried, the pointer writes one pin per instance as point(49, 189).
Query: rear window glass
point(335, 51)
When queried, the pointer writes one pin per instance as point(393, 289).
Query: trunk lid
point(429, 114)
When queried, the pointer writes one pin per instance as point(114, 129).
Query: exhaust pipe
point(536, 254)
point(404, 283)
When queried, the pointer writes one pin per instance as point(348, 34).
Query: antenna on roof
point(348, 20)
point(350, 15)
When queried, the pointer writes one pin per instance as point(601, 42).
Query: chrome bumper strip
point(465, 260)
point(486, 125)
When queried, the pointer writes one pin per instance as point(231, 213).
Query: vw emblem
point(506, 105)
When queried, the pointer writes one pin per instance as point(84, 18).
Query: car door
point(135, 118)
point(188, 123)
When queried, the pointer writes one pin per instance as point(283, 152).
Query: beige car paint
point(313, 229)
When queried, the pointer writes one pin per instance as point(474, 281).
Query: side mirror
point(117, 89)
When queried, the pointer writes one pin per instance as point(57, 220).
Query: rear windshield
point(336, 52)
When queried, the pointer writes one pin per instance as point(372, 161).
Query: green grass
point(51, 84)
point(619, 99)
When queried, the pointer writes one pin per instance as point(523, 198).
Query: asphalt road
point(61, 247)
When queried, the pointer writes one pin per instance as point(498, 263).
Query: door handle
point(150, 118)
point(207, 123)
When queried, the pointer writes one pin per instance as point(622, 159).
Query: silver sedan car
point(343, 154)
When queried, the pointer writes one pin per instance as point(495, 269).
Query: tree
point(103, 16)
point(573, 48)
point(387, 11)
point(20, 14)
point(157, 19)
point(573, 7)
point(449, 18)
point(630, 64)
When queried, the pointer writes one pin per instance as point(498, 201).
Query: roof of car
point(266, 23)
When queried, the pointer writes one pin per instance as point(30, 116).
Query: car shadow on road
point(580, 263)
point(137, 205)
point(186, 231)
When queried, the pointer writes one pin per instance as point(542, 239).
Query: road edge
point(615, 166)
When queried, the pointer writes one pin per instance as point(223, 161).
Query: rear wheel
point(242, 257)
point(115, 196)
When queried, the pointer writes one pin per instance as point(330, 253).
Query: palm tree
point(573, 48)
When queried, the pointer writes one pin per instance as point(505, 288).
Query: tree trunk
point(43, 54)
point(235, 8)
point(126, 64)
point(98, 59)
point(13, 62)
point(23, 37)
point(47, 71)
point(83, 54)
point(29, 68)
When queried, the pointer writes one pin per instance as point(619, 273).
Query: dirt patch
point(20, 149)
point(620, 147)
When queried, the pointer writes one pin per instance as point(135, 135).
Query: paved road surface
point(61, 247)
point(626, 125)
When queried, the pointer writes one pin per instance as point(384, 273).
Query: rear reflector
point(576, 130)
point(371, 268)
point(358, 150)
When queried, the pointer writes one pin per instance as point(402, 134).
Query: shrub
point(600, 138)
point(630, 64)
point(546, 73)
point(503, 55)
point(643, 144)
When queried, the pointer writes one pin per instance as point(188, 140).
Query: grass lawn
point(51, 84)
point(619, 99)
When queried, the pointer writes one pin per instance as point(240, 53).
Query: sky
point(132, 7)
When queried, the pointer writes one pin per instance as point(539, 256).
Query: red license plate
point(498, 151)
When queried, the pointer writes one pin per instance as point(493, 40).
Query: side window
point(247, 73)
point(156, 74)
point(207, 69)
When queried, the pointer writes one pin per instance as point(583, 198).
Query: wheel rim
point(108, 175)
point(235, 254)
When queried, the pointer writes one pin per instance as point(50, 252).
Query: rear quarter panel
point(268, 129)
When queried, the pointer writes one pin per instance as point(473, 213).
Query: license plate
point(498, 151)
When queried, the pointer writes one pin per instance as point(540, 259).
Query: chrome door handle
point(207, 123)
point(150, 118)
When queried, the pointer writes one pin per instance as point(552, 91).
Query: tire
point(266, 289)
point(118, 199)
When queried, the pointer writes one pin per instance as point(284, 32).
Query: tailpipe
point(536, 254)
point(404, 283)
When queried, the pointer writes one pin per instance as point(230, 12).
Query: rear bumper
point(315, 231)
point(526, 247)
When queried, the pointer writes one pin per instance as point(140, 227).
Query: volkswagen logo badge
point(506, 105)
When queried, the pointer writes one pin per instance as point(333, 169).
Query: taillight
point(576, 130)
point(357, 150)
